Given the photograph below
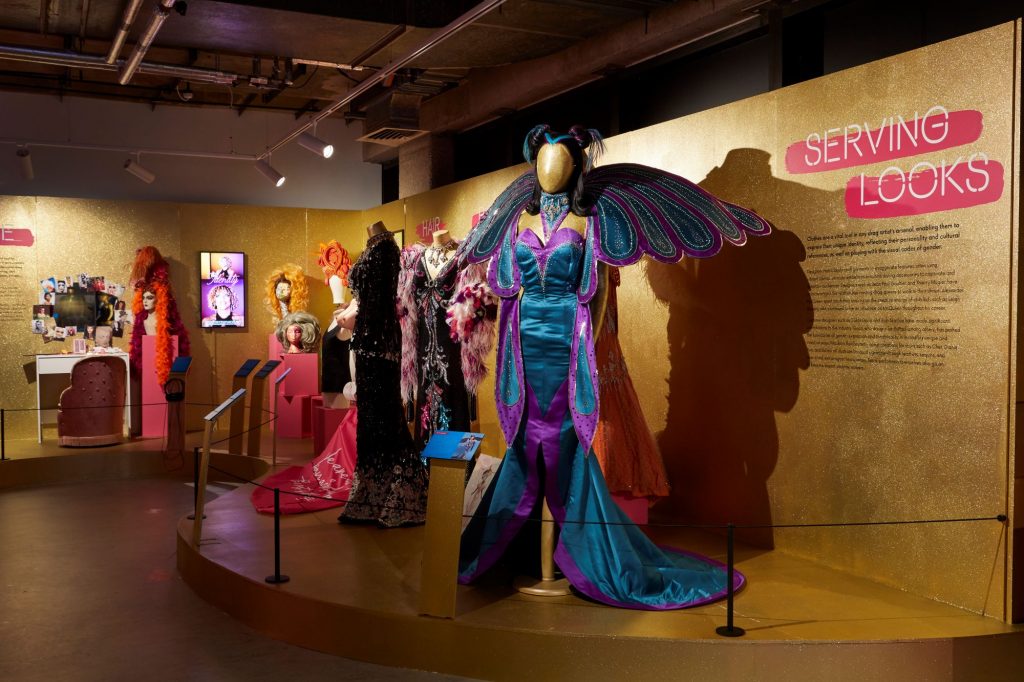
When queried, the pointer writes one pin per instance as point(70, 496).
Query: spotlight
point(27, 171)
point(316, 145)
point(144, 174)
point(269, 172)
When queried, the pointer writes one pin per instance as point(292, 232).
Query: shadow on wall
point(736, 344)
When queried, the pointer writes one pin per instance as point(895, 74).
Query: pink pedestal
point(304, 378)
point(154, 405)
point(634, 507)
point(294, 416)
point(325, 423)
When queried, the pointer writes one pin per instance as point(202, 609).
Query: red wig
point(150, 272)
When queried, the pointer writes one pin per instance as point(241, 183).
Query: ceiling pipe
point(145, 40)
point(225, 156)
point(388, 70)
point(95, 62)
point(131, 11)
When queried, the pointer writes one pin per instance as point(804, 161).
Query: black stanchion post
point(3, 434)
point(277, 577)
point(195, 483)
point(730, 630)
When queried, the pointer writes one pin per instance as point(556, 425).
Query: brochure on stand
point(453, 445)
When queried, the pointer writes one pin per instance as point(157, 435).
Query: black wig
point(584, 145)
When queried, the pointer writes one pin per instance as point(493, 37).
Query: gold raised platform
point(354, 592)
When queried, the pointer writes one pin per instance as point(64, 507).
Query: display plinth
point(440, 567)
point(635, 508)
point(293, 416)
point(154, 404)
point(325, 422)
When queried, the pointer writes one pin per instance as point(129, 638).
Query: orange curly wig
point(300, 290)
point(150, 272)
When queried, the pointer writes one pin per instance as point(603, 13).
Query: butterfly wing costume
point(546, 386)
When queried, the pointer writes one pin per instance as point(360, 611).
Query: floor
point(89, 591)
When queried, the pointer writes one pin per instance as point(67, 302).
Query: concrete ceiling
point(263, 53)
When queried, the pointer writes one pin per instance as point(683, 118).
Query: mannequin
point(149, 305)
point(392, 480)
point(298, 333)
point(286, 291)
point(438, 362)
point(546, 389)
point(336, 371)
point(441, 250)
point(154, 306)
point(283, 292)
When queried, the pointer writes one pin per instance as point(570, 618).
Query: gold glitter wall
point(801, 379)
point(792, 381)
point(826, 374)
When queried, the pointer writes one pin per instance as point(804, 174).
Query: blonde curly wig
point(293, 274)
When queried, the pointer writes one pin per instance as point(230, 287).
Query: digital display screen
point(75, 310)
point(222, 289)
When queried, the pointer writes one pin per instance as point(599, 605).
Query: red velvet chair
point(91, 409)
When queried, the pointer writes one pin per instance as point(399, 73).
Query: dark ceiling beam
point(385, 40)
point(418, 13)
point(245, 103)
point(306, 108)
point(521, 84)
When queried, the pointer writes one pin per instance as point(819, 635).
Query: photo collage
point(82, 308)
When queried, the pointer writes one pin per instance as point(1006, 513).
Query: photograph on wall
point(42, 311)
point(222, 289)
point(105, 309)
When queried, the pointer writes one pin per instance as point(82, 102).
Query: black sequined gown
point(441, 401)
point(391, 480)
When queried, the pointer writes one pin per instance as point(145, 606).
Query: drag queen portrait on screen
point(222, 289)
point(548, 238)
point(223, 301)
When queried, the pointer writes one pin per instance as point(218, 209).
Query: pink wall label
point(926, 187)
point(429, 227)
point(896, 137)
point(16, 236)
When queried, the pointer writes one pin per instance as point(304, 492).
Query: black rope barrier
point(277, 578)
point(730, 629)
point(307, 495)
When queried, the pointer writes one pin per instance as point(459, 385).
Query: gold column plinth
point(438, 579)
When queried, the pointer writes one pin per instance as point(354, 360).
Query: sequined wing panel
point(485, 238)
point(639, 209)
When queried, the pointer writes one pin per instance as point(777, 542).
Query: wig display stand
point(154, 404)
point(237, 428)
point(440, 569)
point(256, 415)
point(293, 400)
point(177, 379)
point(548, 585)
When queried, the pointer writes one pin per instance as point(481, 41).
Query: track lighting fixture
point(144, 174)
point(316, 145)
point(27, 172)
point(269, 173)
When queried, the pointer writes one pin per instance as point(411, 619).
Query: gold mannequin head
point(554, 167)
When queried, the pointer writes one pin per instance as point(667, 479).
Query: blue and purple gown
point(547, 398)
